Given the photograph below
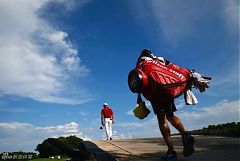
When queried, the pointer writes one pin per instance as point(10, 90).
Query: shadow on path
point(97, 154)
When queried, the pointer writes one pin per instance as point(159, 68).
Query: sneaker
point(169, 156)
point(188, 141)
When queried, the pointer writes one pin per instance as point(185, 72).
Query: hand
point(142, 103)
point(139, 99)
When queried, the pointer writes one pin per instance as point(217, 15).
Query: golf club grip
point(209, 78)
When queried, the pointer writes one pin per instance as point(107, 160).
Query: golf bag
point(151, 78)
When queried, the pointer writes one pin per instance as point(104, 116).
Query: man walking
point(164, 108)
point(107, 118)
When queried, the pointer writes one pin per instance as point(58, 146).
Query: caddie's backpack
point(151, 77)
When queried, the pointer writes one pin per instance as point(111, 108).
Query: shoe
point(110, 138)
point(188, 141)
point(169, 156)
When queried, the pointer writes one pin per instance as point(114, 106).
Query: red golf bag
point(152, 78)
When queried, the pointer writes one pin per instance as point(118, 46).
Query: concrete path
point(150, 149)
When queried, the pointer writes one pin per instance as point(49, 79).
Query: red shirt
point(107, 112)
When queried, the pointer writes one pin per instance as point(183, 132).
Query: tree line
point(66, 147)
point(228, 129)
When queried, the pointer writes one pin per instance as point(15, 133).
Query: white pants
point(108, 127)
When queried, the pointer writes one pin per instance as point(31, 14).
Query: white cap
point(161, 59)
point(105, 104)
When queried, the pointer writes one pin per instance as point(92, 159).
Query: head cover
point(105, 104)
point(146, 52)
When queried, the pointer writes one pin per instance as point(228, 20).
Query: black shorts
point(164, 107)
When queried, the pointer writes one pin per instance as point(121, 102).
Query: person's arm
point(139, 98)
point(102, 118)
point(113, 118)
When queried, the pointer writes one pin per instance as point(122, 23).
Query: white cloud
point(139, 128)
point(70, 5)
point(117, 135)
point(177, 19)
point(36, 60)
point(25, 137)
point(230, 14)
point(15, 110)
point(130, 112)
point(83, 114)
point(70, 128)
point(180, 104)
point(143, 124)
point(15, 125)
point(222, 112)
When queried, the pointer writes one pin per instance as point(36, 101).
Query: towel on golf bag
point(190, 98)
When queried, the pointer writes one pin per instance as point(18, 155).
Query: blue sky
point(60, 60)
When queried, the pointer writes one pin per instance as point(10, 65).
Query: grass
point(48, 159)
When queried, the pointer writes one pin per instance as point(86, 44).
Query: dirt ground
point(207, 148)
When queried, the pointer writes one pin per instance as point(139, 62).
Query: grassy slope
point(48, 159)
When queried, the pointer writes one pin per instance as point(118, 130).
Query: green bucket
point(141, 111)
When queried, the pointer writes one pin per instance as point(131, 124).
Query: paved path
point(149, 149)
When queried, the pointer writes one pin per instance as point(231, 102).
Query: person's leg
point(110, 129)
point(163, 126)
point(107, 128)
point(187, 139)
point(176, 122)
